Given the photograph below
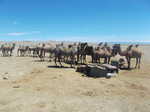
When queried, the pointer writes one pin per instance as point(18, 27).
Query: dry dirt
point(27, 85)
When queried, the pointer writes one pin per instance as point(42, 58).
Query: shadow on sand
point(60, 67)
point(95, 77)
point(128, 69)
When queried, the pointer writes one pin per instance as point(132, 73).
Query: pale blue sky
point(75, 20)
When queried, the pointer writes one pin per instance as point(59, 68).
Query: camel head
point(70, 46)
point(129, 47)
point(13, 46)
point(116, 49)
point(75, 44)
point(43, 45)
point(136, 45)
point(83, 45)
point(100, 43)
point(62, 44)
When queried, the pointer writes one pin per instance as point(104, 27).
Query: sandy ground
point(27, 85)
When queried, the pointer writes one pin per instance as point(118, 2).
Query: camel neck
point(120, 51)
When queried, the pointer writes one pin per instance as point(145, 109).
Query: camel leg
point(78, 58)
point(129, 63)
point(71, 62)
point(3, 53)
point(127, 58)
point(108, 60)
point(74, 61)
point(59, 59)
point(99, 60)
point(81, 58)
point(7, 53)
point(137, 60)
point(55, 61)
point(105, 60)
point(92, 56)
point(84, 59)
point(139, 63)
point(17, 52)
point(11, 53)
point(49, 56)
point(43, 55)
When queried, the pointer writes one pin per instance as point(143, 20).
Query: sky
point(75, 20)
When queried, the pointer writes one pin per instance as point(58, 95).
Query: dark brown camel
point(7, 49)
point(22, 50)
point(83, 50)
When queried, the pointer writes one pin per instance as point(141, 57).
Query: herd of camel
point(75, 53)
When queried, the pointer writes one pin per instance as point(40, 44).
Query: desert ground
point(28, 85)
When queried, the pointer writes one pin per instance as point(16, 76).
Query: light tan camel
point(131, 52)
point(103, 51)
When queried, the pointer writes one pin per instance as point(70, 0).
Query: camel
point(40, 51)
point(48, 48)
point(70, 53)
point(34, 50)
point(61, 51)
point(83, 50)
point(7, 49)
point(102, 51)
point(131, 52)
point(22, 50)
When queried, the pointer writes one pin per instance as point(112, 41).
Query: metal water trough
point(97, 70)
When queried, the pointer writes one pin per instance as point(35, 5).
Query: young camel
point(129, 53)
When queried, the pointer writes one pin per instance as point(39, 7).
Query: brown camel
point(129, 53)
point(61, 52)
point(102, 51)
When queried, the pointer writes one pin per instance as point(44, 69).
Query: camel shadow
point(127, 69)
point(95, 77)
point(39, 60)
point(59, 67)
point(22, 56)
